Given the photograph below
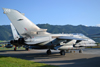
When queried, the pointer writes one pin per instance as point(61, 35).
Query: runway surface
point(89, 57)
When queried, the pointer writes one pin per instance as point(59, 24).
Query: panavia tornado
point(37, 38)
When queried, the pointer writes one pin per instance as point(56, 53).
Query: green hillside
point(6, 34)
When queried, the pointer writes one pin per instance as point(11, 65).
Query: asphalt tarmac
point(89, 57)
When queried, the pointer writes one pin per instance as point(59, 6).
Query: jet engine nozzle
point(21, 40)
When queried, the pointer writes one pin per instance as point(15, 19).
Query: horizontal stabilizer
point(15, 34)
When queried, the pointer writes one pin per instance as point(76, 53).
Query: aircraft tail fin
point(21, 23)
point(14, 32)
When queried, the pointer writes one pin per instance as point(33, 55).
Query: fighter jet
point(37, 38)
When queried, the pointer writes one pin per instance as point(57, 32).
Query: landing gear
point(27, 49)
point(62, 52)
point(15, 48)
point(48, 52)
point(80, 51)
point(71, 51)
point(67, 51)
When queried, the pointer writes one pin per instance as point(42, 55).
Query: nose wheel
point(48, 52)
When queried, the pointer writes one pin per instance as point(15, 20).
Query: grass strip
point(16, 62)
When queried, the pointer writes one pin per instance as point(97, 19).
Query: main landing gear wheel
point(62, 52)
point(15, 49)
point(48, 52)
point(80, 51)
point(27, 49)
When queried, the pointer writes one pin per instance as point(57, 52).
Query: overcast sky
point(55, 12)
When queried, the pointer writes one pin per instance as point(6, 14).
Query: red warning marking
point(25, 29)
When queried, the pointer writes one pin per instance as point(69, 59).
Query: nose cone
point(6, 10)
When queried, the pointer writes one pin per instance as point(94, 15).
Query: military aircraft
point(37, 38)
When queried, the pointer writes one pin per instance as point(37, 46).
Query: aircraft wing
point(36, 42)
point(71, 41)
point(69, 38)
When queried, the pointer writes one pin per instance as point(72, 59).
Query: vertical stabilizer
point(14, 32)
point(21, 23)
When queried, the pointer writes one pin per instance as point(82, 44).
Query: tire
point(14, 49)
point(62, 52)
point(27, 49)
point(80, 51)
point(48, 52)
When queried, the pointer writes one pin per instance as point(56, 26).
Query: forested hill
point(70, 29)
point(6, 34)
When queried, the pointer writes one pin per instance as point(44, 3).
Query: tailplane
point(14, 32)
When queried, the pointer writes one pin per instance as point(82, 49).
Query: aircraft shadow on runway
point(29, 56)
